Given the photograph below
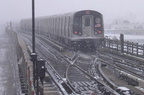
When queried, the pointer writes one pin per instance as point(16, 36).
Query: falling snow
point(8, 65)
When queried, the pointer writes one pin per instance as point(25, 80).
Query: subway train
point(80, 30)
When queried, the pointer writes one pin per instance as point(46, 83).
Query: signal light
point(96, 33)
point(80, 33)
point(87, 12)
point(75, 32)
point(99, 32)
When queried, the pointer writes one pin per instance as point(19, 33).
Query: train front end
point(88, 30)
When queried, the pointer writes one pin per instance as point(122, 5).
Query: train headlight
point(80, 33)
point(96, 33)
point(75, 32)
point(99, 32)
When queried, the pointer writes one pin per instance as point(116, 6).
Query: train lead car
point(79, 30)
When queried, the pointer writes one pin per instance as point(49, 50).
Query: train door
point(87, 25)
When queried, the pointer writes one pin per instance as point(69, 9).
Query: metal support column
point(34, 55)
point(33, 26)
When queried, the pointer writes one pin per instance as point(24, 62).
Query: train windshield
point(77, 22)
point(87, 21)
point(87, 25)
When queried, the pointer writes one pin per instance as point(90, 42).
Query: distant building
point(125, 25)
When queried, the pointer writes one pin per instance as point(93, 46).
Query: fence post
point(132, 47)
point(143, 49)
point(112, 43)
point(127, 47)
point(137, 48)
point(104, 44)
point(122, 42)
point(109, 42)
point(117, 44)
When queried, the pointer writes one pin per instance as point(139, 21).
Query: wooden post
point(117, 44)
point(143, 50)
point(109, 42)
point(104, 44)
point(132, 47)
point(127, 47)
point(137, 48)
point(122, 42)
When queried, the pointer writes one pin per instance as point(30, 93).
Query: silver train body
point(81, 29)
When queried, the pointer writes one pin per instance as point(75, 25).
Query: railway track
point(128, 60)
point(129, 66)
point(82, 81)
point(55, 67)
point(58, 64)
point(126, 70)
point(60, 60)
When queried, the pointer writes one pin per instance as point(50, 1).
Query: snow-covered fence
point(25, 67)
point(125, 46)
point(24, 64)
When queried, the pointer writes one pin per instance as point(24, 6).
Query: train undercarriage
point(86, 45)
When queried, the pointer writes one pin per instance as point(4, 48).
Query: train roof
point(67, 14)
point(70, 14)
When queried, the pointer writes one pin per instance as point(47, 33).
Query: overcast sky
point(14, 10)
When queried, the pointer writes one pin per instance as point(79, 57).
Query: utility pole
point(33, 54)
point(33, 25)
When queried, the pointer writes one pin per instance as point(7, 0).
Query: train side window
point(50, 25)
point(55, 26)
point(65, 26)
point(62, 26)
point(68, 26)
point(58, 25)
point(87, 21)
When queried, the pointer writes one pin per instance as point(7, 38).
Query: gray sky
point(13, 10)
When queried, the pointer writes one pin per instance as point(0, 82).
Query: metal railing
point(127, 47)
